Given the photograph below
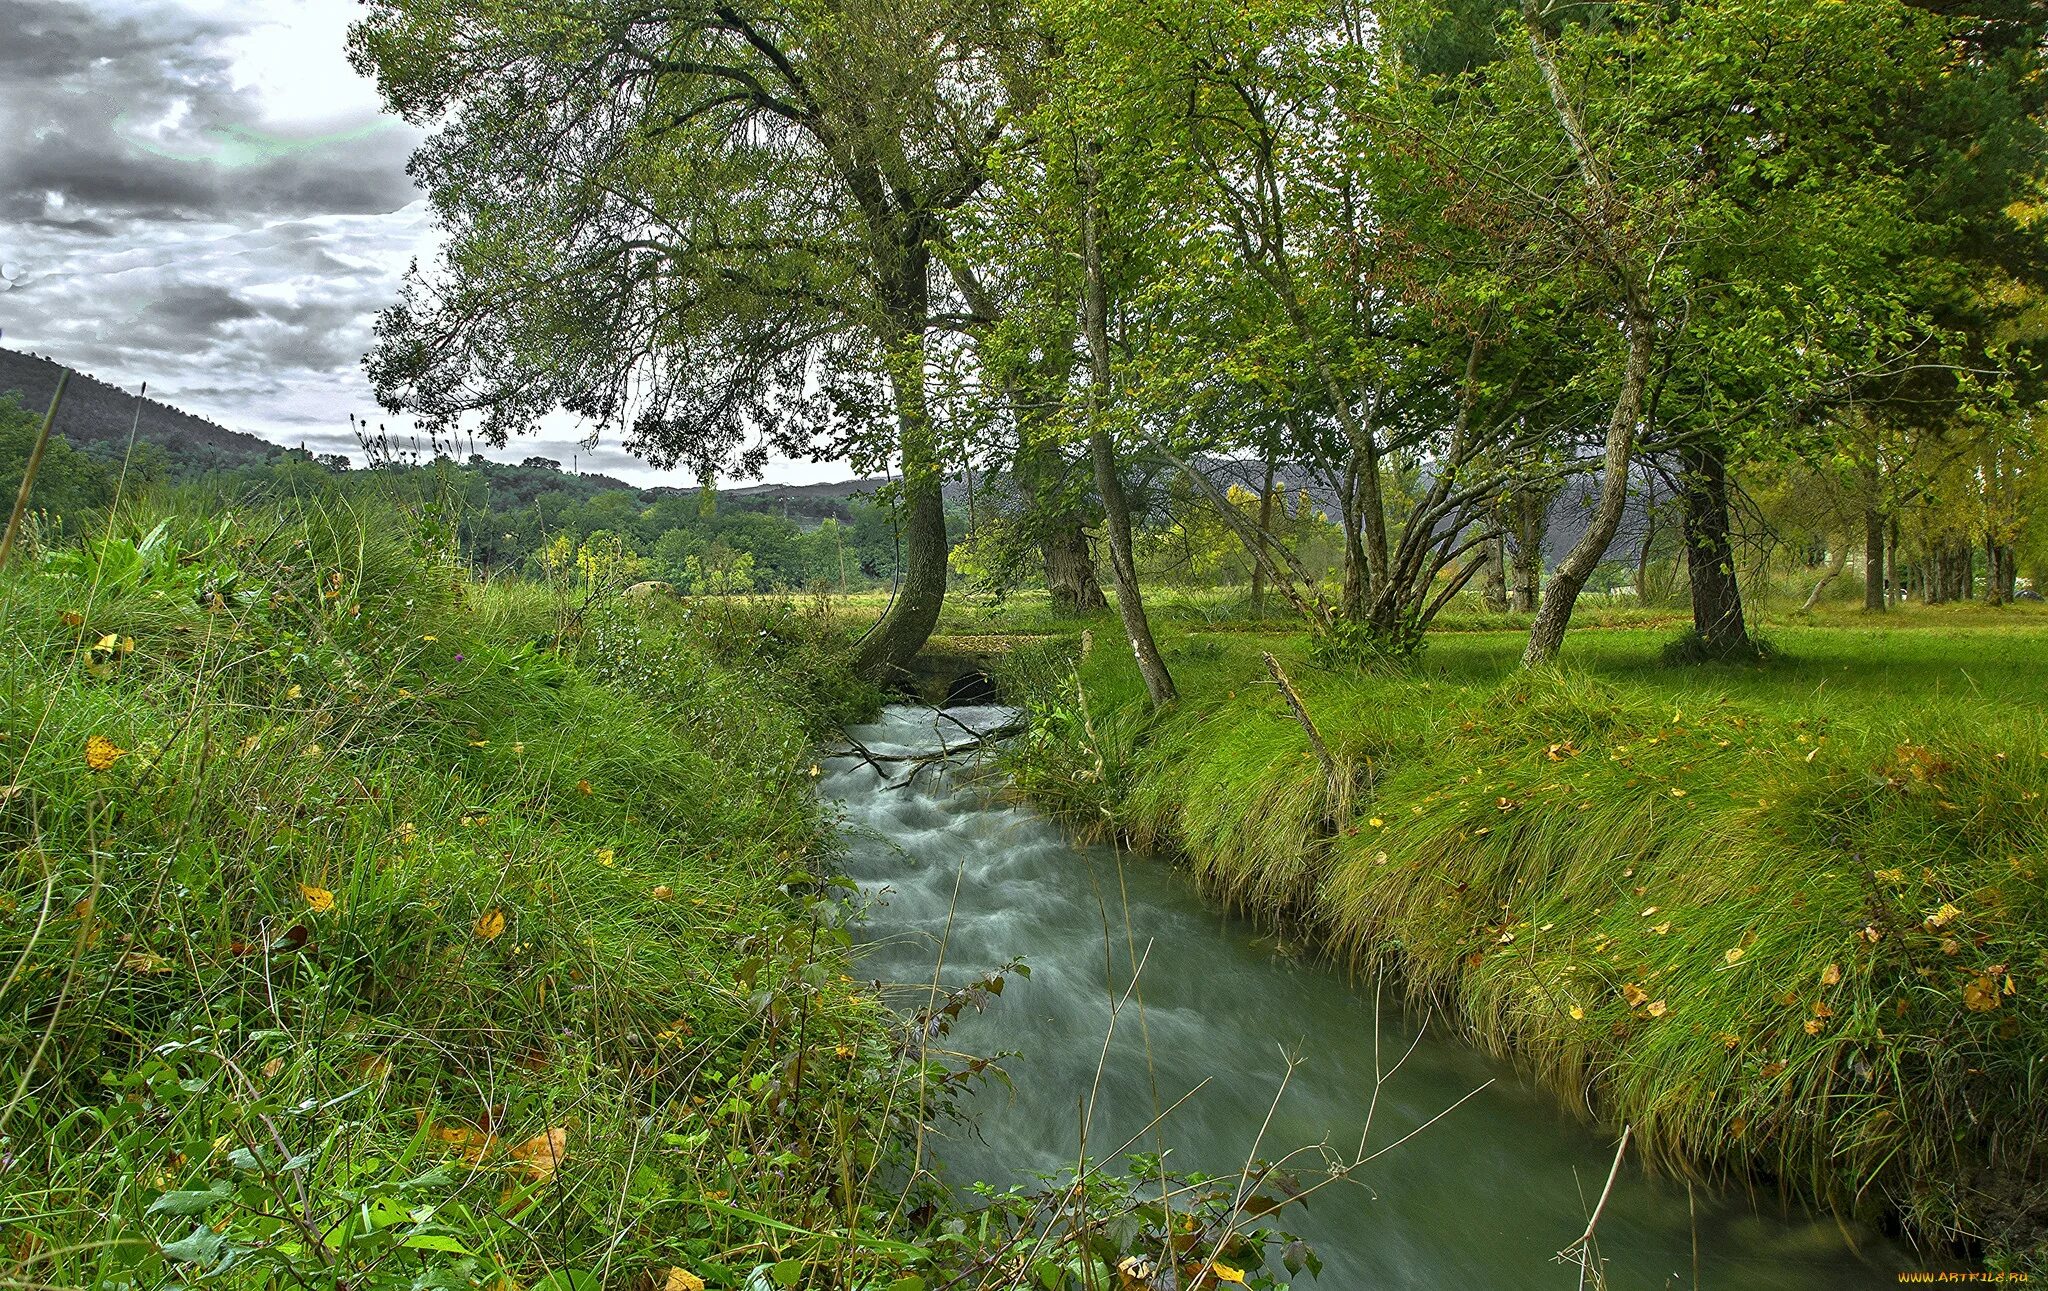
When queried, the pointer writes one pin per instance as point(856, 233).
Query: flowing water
point(1483, 1198)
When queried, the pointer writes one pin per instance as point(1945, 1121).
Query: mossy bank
point(1781, 925)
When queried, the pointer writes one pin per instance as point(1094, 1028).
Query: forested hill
point(97, 417)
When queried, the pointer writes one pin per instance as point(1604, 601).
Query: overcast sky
point(203, 195)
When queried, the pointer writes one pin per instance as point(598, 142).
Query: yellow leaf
point(583, 786)
point(541, 1154)
point(71, 618)
point(1980, 995)
point(1943, 917)
point(490, 925)
point(101, 753)
point(1733, 954)
point(1678, 793)
point(662, 892)
point(681, 1279)
point(1657, 1009)
point(146, 961)
point(1831, 975)
point(1224, 1273)
point(1578, 1013)
point(319, 899)
point(1634, 994)
point(605, 856)
point(1813, 1026)
point(1662, 928)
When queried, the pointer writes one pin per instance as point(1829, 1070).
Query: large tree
point(709, 227)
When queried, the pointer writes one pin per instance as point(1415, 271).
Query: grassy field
point(1786, 918)
point(362, 927)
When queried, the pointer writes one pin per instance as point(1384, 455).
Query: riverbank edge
point(1606, 936)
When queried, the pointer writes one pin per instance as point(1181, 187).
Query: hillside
point(97, 417)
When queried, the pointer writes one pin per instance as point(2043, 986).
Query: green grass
point(325, 904)
point(1787, 919)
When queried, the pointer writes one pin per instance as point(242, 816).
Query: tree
point(708, 226)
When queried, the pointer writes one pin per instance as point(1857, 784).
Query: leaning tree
point(706, 227)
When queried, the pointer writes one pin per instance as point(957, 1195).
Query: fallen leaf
point(1980, 994)
point(662, 892)
point(541, 1154)
point(1941, 918)
point(1657, 1009)
point(490, 925)
point(1578, 1013)
point(1732, 955)
point(101, 753)
point(1662, 928)
point(681, 1279)
point(1813, 1026)
point(1831, 975)
point(71, 618)
point(147, 961)
point(319, 900)
point(583, 786)
point(1634, 994)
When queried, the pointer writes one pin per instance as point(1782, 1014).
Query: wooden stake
point(28, 475)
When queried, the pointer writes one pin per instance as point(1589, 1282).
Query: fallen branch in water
point(1579, 1251)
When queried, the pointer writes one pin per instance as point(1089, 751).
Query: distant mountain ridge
point(96, 417)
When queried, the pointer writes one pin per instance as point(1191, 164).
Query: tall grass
point(1779, 929)
point(359, 927)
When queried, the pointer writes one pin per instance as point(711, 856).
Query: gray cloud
point(162, 221)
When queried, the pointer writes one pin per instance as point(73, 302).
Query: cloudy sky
point(203, 195)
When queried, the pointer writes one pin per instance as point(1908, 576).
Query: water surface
point(1481, 1199)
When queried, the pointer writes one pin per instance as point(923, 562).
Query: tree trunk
point(1116, 511)
point(1873, 562)
point(1893, 589)
point(1649, 538)
point(1357, 575)
point(1710, 554)
point(2001, 571)
point(884, 654)
point(1493, 591)
point(1265, 526)
point(1070, 567)
point(1532, 521)
point(1836, 565)
point(1546, 634)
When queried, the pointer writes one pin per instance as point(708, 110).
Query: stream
point(963, 879)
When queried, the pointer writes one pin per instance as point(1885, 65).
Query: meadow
point(1785, 919)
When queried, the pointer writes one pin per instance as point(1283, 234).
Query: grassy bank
point(362, 927)
point(1788, 920)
